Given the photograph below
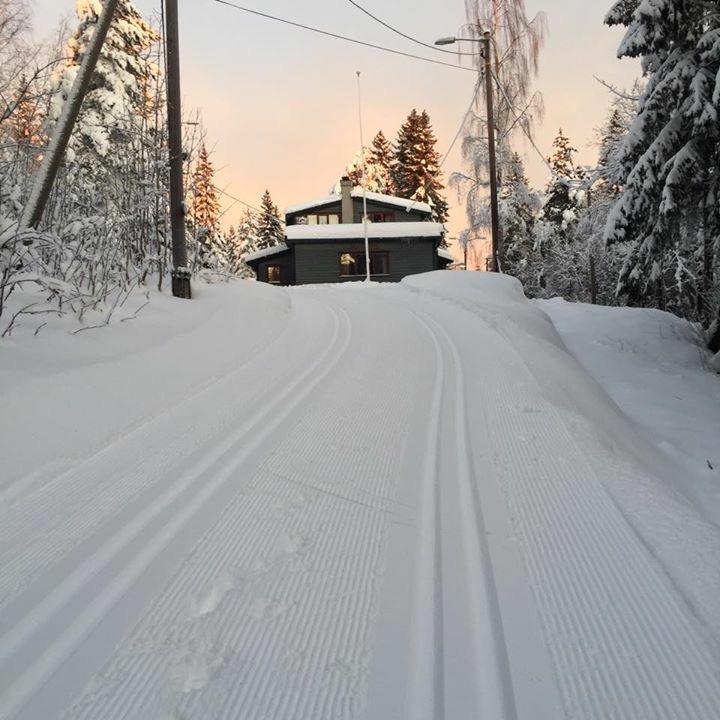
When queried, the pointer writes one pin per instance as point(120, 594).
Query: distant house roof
point(446, 254)
point(407, 205)
point(266, 252)
point(355, 231)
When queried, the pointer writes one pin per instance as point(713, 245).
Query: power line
point(327, 33)
point(407, 37)
point(256, 210)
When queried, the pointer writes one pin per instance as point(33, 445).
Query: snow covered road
point(404, 502)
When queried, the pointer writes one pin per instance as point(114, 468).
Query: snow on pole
point(61, 136)
point(364, 190)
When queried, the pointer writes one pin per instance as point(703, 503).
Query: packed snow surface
point(366, 501)
point(356, 231)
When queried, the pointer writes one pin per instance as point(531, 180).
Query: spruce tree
point(668, 212)
point(416, 169)
point(381, 160)
point(519, 207)
point(269, 227)
point(205, 210)
point(247, 232)
point(559, 208)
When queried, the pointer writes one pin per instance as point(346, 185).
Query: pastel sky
point(280, 104)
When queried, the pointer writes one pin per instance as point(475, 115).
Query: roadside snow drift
point(360, 501)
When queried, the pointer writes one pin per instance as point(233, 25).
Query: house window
point(352, 264)
point(323, 219)
point(273, 274)
point(378, 217)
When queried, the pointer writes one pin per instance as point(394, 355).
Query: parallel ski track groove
point(494, 696)
point(24, 686)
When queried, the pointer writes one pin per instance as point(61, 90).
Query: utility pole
point(180, 273)
point(63, 131)
point(494, 210)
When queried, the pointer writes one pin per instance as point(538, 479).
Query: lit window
point(352, 264)
point(273, 274)
point(312, 219)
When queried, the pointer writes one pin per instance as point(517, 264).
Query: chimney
point(348, 213)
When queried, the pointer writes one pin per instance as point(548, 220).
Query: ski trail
point(495, 691)
point(425, 699)
point(273, 613)
point(222, 461)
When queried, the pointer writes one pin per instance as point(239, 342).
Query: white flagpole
point(364, 175)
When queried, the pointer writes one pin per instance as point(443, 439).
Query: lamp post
point(492, 157)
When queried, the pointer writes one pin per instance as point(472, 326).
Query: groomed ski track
point(378, 515)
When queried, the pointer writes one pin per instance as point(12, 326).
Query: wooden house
point(325, 241)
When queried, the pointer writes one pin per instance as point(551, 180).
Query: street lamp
point(492, 157)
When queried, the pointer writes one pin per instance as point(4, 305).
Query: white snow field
point(364, 501)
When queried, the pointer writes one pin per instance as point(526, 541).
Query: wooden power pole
point(181, 273)
point(63, 130)
point(494, 210)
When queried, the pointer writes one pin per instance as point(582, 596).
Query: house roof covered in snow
point(266, 252)
point(355, 231)
point(407, 205)
point(445, 254)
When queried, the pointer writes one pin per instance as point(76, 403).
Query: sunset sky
point(280, 104)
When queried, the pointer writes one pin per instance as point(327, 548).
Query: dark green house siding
point(320, 262)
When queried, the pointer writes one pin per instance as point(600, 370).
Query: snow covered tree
point(416, 167)
point(560, 203)
point(668, 212)
point(378, 160)
point(117, 96)
point(205, 209)
point(519, 206)
point(269, 226)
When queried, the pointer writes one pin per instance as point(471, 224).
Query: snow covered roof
point(266, 252)
point(407, 205)
point(355, 231)
point(446, 254)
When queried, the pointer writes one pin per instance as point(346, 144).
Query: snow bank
point(356, 231)
point(98, 384)
point(654, 366)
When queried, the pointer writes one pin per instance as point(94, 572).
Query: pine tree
point(116, 98)
point(668, 212)
point(269, 227)
point(416, 168)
